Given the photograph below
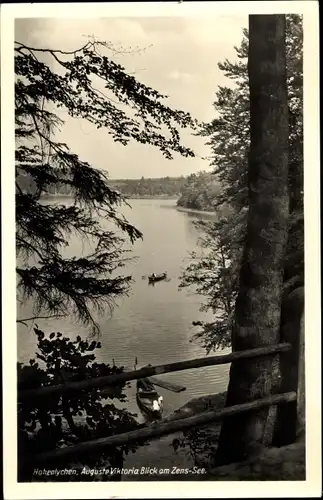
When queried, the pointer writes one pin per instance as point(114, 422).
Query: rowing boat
point(147, 398)
point(157, 277)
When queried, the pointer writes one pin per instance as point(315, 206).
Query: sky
point(178, 56)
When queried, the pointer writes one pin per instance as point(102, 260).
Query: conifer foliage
point(87, 85)
point(214, 272)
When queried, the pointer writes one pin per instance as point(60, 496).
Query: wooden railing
point(120, 378)
point(159, 429)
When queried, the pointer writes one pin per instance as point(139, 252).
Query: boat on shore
point(152, 278)
point(148, 398)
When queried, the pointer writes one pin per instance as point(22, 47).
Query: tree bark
point(287, 419)
point(258, 306)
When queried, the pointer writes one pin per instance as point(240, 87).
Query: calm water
point(155, 322)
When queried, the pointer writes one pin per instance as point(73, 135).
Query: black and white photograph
point(163, 186)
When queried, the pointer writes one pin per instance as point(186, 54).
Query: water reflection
point(155, 322)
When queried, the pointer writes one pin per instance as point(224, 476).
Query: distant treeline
point(150, 187)
point(27, 184)
point(196, 191)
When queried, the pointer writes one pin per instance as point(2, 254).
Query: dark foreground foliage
point(66, 419)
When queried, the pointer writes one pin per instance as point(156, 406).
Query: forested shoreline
point(149, 187)
point(196, 191)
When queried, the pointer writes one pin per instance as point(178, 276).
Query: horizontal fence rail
point(120, 378)
point(161, 429)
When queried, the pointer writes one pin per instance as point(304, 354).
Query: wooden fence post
point(290, 419)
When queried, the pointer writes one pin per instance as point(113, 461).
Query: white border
point(312, 486)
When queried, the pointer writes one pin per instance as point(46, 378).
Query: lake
point(154, 323)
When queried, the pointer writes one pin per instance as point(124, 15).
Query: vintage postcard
point(161, 290)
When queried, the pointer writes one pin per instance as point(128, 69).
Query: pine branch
point(33, 318)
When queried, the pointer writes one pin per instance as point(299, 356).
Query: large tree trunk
point(258, 306)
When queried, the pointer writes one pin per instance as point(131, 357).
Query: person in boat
point(153, 275)
point(156, 405)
